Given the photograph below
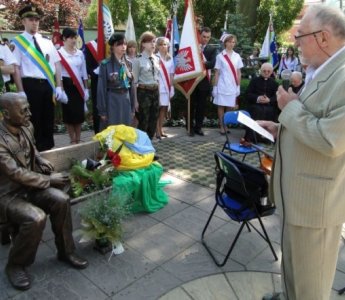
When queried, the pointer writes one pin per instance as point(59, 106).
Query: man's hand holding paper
point(249, 122)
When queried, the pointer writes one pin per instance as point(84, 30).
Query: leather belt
point(150, 87)
point(120, 90)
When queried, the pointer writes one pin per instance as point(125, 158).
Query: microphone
point(286, 75)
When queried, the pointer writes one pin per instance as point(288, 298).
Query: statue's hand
point(59, 179)
point(45, 165)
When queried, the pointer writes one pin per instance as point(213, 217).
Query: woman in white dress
point(227, 79)
point(166, 89)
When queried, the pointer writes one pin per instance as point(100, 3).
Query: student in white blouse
point(74, 78)
point(289, 61)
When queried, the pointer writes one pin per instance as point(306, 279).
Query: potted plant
point(102, 218)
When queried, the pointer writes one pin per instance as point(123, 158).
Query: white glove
point(86, 95)
point(215, 92)
point(238, 90)
point(172, 91)
point(64, 98)
point(58, 93)
point(22, 94)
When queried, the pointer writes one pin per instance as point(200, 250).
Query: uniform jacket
point(210, 53)
point(16, 177)
point(309, 170)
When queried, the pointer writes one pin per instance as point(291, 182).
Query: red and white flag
point(189, 66)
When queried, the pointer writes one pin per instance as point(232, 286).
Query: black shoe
point(199, 132)
point(18, 277)
point(74, 260)
point(273, 296)
point(155, 157)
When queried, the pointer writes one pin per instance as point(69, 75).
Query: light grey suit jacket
point(309, 170)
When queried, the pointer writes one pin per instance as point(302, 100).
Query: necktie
point(37, 46)
point(153, 66)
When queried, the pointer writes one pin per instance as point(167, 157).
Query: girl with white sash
point(227, 79)
point(74, 77)
point(166, 89)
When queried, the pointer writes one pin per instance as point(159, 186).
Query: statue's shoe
point(74, 260)
point(18, 277)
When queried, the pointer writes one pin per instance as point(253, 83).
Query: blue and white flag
point(80, 39)
point(269, 47)
point(175, 37)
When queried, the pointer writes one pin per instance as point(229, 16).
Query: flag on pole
point(175, 45)
point(105, 29)
point(168, 29)
point(189, 64)
point(80, 39)
point(130, 32)
point(269, 47)
point(57, 41)
point(186, 4)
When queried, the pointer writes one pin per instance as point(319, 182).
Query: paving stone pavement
point(164, 258)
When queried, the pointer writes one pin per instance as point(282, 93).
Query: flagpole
point(129, 5)
point(226, 20)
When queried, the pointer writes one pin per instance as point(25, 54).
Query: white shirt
point(226, 82)
point(7, 56)
point(288, 63)
point(27, 67)
point(77, 60)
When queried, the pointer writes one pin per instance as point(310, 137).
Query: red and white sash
point(165, 75)
point(232, 68)
point(73, 73)
point(284, 63)
point(92, 46)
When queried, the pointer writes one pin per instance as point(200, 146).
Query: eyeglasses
point(297, 37)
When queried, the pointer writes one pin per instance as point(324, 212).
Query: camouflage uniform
point(145, 73)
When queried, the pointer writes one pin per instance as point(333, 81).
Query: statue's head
point(15, 109)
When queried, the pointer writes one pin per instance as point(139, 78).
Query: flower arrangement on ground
point(102, 217)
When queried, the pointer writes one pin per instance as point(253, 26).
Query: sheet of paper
point(249, 122)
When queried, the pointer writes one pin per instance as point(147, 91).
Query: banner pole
point(189, 116)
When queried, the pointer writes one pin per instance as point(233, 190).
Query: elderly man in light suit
point(308, 182)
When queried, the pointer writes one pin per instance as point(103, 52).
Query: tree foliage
point(283, 14)
point(147, 14)
point(69, 13)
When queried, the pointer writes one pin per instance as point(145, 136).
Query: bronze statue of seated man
point(29, 191)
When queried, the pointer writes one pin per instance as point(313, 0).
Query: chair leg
point(208, 221)
point(259, 157)
point(220, 264)
point(244, 157)
point(248, 227)
point(265, 236)
point(217, 262)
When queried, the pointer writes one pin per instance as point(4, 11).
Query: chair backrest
point(243, 181)
point(230, 117)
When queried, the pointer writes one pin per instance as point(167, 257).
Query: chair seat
point(236, 210)
point(238, 148)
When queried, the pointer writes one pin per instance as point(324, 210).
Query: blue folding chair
point(230, 118)
point(242, 193)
